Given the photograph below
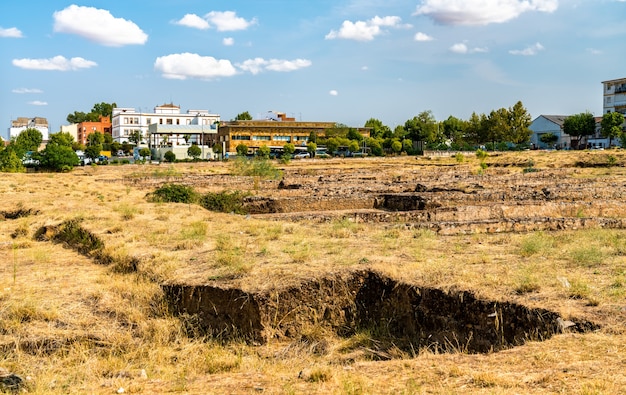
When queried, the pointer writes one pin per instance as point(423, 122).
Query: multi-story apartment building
point(614, 96)
point(84, 129)
point(23, 123)
point(192, 125)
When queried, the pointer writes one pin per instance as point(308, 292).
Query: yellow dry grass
point(70, 325)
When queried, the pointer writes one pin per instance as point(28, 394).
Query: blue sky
point(341, 60)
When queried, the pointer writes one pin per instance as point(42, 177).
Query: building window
point(168, 121)
point(263, 138)
point(160, 121)
point(189, 122)
point(177, 121)
point(235, 137)
point(136, 121)
point(125, 132)
point(282, 138)
point(125, 120)
point(149, 121)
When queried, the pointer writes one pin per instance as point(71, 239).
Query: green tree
point(422, 127)
point(379, 130)
point(519, 122)
point(263, 152)
point(64, 139)
point(497, 125)
point(311, 148)
point(453, 129)
point(194, 151)
point(549, 139)
point(580, 126)
point(28, 140)
point(135, 137)
point(476, 128)
point(242, 149)
point(169, 156)
point(93, 151)
point(354, 134)
point(288, 150)
point(104, 109)
point(10, 162)
point(244, 116)
point(145, 153)
point(332, 145)
point(58, 154)
point(354, 146)
point(396, 147)
point(611, 125)
point(95, 138)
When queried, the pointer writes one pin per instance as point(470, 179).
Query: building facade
point(275, 131)
point(614, 99)
point(126, 121)
point(545, 124)
point(23, 123)
point(84, 129)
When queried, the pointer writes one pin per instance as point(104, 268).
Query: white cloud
point(228, 41)
point(462, 48)
point(194, 21)
point(365, 68)
point(365, 30)
point(38, 103)
point(333, 92)
point(257, 65)
point(57, 63)
point(481, 12)
point(98, 25)
point(228, 21)
point(26, 90)
point(595, 51)
point(419, 36)
point(190, 65)
point(11, 32)
point(529, 51)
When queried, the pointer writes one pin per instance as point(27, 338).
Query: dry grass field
point(83, 318)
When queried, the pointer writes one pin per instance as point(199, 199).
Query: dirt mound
point(409, 316)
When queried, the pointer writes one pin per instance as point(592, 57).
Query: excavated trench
point(405, 315)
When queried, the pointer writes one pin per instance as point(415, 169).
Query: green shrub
point(173, 193)
point(225, 202)
point(256, 167)
point(169, 156)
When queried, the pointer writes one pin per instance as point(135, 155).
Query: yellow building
point(274, 134)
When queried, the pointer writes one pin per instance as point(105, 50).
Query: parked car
point(322, 154)
point(301, 155)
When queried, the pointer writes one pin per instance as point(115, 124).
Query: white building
point(553, 124)
point(614, 96)
point(72, 129)
point(127, 120)
point(23, 123)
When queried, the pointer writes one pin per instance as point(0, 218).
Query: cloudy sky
point(325, 60)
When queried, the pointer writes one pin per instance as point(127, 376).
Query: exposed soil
point(408, 316)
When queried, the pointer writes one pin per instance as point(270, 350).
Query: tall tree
point(135, 137)
point(476, 127)
point(519, 122)
point(58, 154)
point(28, 140)
point(95, 138)
point(422, 127)
point(453, 129)
point(579, 126)
point(497, 125)
point(378, 129)
point(244, 116)
point(104, 109)
point(611, 125)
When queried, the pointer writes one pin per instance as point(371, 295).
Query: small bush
point(225, 202)
point(173, 193)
